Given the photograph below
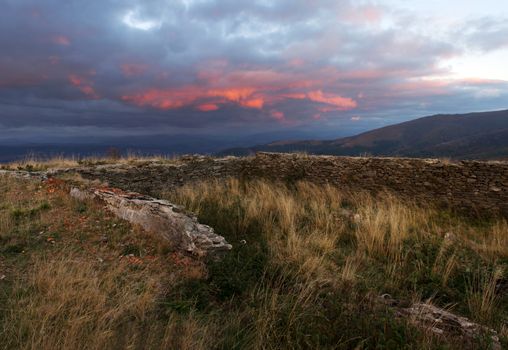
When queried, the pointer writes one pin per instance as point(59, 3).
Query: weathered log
point(182, 230)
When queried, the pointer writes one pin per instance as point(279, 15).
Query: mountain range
point(458, 136)
point(159, 144)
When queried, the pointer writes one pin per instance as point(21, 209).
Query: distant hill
point(173, 144)
point(460, 136)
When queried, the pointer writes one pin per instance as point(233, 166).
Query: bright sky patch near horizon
point(227, 66)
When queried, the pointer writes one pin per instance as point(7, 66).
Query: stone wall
point(152, 178)
point(476, 187)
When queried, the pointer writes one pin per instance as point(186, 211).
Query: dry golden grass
point(302, 227)
point(307, 263)
point(494, 241)
point(385, 222)
point(482, 298)
point(67, 290)
point(70, 302)
point(35, 163)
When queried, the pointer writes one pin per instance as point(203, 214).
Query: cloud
point(208, 107)
point(278, 115)
point(133, 69)
point(337, 102)
point(484, 34)
point(133, 20)
point(134, 63)
point(83, 85)
point(61, 40)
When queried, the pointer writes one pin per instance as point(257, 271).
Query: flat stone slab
point(442, 322)
point(181, 229)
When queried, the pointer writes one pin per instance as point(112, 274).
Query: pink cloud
point(133, 69)
point(174, 98)
point(205, 99)
point(54, 60)
point(261, 89)
point(165, 98)
point(334, 102)
point(337, 101)
point(253, 103)
point(278, 115)
point(61, 40)
point(10, 80)
point(84, 86)
point(296, 63)
point(74, 80)
point(233, 94)
point(364, 14)
point(207, 107)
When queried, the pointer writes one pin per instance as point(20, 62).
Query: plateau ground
point(312, 266)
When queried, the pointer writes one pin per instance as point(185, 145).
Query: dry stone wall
point(472, 186)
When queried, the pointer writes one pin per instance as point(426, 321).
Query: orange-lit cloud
point(74, 80)
point(296, 96)
point(278, 115)
point(341, 103)
point(163, 99)
point(61, 40)
point(248, 88)
point(84, 86)
point(205, 99)
point(233, 94)
point(253, 103)
point(190, 95)
point(289, 63)
point(334, 102)
point(207, 107)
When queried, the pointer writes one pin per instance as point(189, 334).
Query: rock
point(441, 322)
point(388, 300)
point(80, 195)
point(469, 187)
point(161, 217)
point(20, 174)
point(350, 215)
point(449, 238)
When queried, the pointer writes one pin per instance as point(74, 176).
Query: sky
point(83, 69)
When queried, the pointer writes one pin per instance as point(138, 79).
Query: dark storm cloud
point(209, 64)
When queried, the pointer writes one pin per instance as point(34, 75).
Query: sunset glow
point(305, 65)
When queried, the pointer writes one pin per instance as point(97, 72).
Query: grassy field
point(36, 163)
point(307, 269)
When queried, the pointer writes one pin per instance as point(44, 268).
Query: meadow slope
point(307, 270)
